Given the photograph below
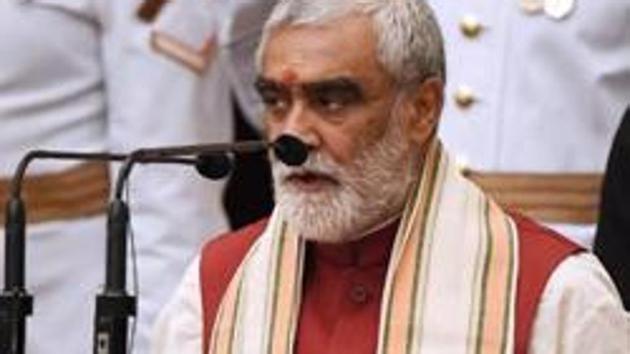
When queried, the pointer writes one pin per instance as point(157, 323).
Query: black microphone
point(16, 304)
point(214, 166)
point(290, 150)
point(212, 160)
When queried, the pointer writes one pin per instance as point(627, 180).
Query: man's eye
point(274, 101)
point(330, 102)
point(333, 97)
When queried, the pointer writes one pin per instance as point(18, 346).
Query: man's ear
point(423, 111)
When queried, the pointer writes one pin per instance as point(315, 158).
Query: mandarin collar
point(370, 250)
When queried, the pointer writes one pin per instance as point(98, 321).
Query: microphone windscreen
point(214, 166)
point(290, 150)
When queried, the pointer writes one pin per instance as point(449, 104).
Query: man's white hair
point(410, 45)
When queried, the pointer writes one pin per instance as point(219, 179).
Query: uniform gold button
point(470, 27)
point(464, 97)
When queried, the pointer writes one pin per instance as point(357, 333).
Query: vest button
point(359, 294)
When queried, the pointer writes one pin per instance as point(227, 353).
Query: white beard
point(370, 191)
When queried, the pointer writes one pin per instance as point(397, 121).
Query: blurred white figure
point(537, 86)
point(89, 75)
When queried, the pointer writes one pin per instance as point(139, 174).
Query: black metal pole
point(114, 306)
point(15, 303)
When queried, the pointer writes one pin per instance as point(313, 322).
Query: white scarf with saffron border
point(450, 286)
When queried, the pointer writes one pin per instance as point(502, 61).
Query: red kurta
point(343, 285)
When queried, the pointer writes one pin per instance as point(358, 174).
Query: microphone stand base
point(112, 313)
point(15, 306)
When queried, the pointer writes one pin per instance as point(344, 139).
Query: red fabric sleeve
point(541, 250)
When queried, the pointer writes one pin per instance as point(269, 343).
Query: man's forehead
point(302, 51)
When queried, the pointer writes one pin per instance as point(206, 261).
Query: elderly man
point(376, 243)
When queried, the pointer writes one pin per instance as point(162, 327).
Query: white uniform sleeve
point(179, 326)
point(580, 312)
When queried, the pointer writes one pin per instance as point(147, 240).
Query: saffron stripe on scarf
point(397, 334)
point(222, 338)
point(497, 280)
point(286, 282)
point(477, 289)
point(509, 318)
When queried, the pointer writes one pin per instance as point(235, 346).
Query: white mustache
point(316, 164)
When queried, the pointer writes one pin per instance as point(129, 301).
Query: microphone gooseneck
point(140, 155)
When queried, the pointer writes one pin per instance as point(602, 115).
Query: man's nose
point(302, 123)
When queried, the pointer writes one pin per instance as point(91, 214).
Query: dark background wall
point(248, 195)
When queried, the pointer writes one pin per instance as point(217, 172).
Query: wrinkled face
point(324, 85)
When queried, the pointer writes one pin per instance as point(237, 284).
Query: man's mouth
point(310, 181)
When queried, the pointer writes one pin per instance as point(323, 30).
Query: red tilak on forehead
point(289, 76)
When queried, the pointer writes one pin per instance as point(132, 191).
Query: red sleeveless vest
point(540, 252)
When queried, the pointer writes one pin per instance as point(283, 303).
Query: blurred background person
point(52, 96)
point(612, 244)
point(97, 75)
point(535, 92)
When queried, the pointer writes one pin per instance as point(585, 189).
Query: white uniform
point(530, 92)
point(81, 74)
